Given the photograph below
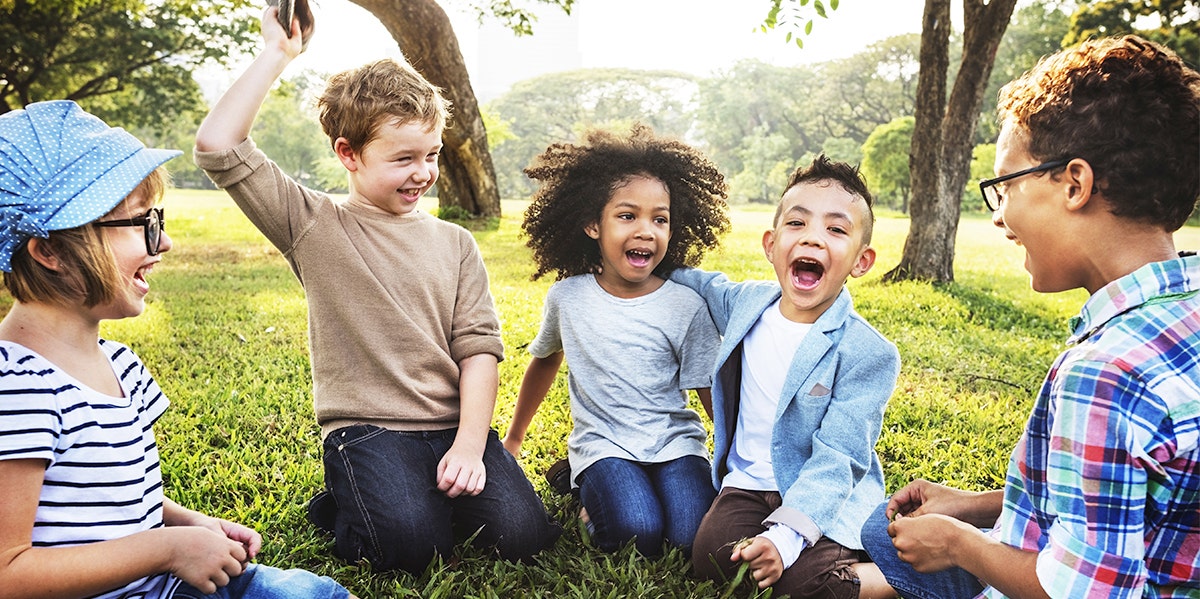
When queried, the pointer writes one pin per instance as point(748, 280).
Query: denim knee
point(265, 582)
point(389, 511)
point(953, 583)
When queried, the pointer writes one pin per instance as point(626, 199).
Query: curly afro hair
point(577, 181)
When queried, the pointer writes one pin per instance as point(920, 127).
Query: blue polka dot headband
point(60, 168)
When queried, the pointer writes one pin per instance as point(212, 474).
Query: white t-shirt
point(767, 354)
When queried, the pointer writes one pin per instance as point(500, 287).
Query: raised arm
point(229, 121)
point(539, 376)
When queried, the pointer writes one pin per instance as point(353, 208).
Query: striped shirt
point(102, 472)
point(1105, 481)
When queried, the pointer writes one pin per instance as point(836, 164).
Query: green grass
point(225, 334)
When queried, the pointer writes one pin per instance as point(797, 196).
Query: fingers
point(454, 480)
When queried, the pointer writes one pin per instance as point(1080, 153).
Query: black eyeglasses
point(991, 195)
point(152, 225)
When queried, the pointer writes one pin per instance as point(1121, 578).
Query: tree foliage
point(793, 16)
point(1036, 30)
point(885, 162)
point(558, 107)
point(1173, 23)
point(132, 57)
point(287, 130)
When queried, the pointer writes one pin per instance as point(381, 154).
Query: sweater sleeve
point(476, 326)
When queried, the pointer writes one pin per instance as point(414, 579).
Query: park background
point(224, 331)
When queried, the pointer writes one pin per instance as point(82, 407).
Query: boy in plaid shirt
point(1099, 163)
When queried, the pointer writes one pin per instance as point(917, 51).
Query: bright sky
point(694, 36)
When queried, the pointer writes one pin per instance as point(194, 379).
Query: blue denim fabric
point(264, 582)
point(391, 513)
point(954, 583)
point(650, 502)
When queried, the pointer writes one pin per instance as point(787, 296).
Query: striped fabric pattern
point(1105, 482)
point(102, 470)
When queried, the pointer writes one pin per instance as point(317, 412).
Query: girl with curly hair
point(613, 217)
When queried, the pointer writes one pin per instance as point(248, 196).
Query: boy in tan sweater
point(404, 337)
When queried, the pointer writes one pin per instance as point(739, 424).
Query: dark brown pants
point(822, 571)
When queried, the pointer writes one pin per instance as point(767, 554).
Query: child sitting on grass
point(801, 385)
point(403, 333)
point(612, 216)
point(82, 508)
point(1097, 164)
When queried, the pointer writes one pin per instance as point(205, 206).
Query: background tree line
point(131, 62)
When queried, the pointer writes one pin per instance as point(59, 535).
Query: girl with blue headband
point(82, 507)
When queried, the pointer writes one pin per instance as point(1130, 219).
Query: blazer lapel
point(812, 350)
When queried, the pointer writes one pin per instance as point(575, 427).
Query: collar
point(1152, 283)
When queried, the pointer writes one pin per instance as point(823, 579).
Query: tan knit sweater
point(394, 302)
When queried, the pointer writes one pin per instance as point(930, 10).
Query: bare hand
point(929, 543)
point(249, 538)
point(275, 36)
point(204, 558)
point(766, 566)
point(461, 472)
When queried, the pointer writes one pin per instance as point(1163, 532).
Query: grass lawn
point(224, 333)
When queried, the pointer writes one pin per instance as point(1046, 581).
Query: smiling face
point(633, 232)
point(395, 169)
point(1032, 215)
point(133, 262)
point(816, 244)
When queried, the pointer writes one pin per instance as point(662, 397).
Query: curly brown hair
point(1131, 109)
point(577, 181)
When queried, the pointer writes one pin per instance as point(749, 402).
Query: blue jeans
point(391, 513)
point(265, 582)
point(652, 503)
point(954, 583)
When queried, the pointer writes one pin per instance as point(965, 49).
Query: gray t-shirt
point(630, 362)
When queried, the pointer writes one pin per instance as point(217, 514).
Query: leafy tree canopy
point(1172, 23)
point(129, 59)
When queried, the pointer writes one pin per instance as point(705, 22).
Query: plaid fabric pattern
point(1105, 481)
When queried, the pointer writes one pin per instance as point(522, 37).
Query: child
point(1099, 157)
point(612, 215)
point(801, 385)
point(83, 511)
point(403, 333)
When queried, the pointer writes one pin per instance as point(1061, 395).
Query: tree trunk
point(940, 158)
point(424, 34)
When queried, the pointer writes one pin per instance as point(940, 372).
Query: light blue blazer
point(830, 411)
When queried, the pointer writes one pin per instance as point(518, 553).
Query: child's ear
point(346, 154)
point(1081, 183)
point(768, 242)
point(592, 230)
point(41, 251)
point(866, 259)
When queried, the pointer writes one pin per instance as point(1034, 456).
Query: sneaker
point(321, 511)
point(559, 477)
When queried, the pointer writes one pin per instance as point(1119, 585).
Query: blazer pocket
point(820, 390)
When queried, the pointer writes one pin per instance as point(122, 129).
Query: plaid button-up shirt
point(1105, 481)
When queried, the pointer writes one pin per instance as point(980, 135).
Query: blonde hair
point(87, 269)
point(356, 103)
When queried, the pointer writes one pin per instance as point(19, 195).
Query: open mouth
point(807, 273)
point(139, 278)
point(639, 258)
